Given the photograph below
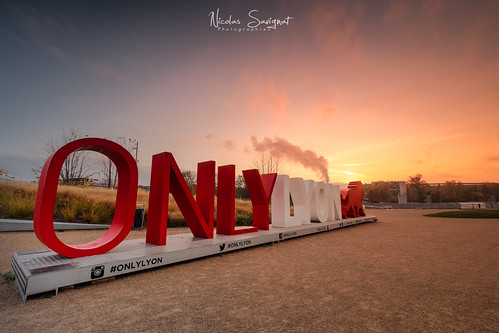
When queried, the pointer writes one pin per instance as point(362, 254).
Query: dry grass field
point(405, 273)
point(84, 204)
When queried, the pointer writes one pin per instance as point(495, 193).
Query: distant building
point(402, 195)
point(4, 175)
point(84, 181)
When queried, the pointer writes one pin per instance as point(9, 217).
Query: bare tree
point(75, 166)
point(269, 162)
point(191, 180)
point(241, 188)
point(108, 172)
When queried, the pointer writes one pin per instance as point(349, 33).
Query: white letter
point(334, 203)
point(301, 192)
point(280, 202)
point(319, 206)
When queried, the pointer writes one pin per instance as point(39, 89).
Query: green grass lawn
point(469, 214)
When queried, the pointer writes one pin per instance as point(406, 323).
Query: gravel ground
point(406, 272)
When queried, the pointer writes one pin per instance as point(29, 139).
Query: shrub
point(244, 219)
point(19, 206)
point(90, 216)
point(69, 213)
point(104, 212)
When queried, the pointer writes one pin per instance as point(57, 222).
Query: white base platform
point(41, 271)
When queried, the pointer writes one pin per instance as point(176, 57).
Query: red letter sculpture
point(351, 200)
point(226, 203)
point(260, 191)
point(166, 177)
point(125, 198)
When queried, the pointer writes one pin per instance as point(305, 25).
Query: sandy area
point(404, 273)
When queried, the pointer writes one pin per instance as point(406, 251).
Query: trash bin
point(138, 220)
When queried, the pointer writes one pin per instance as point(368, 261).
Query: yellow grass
point(244, 206)
point(26, 187)
point(92, 194)
point(86, 198)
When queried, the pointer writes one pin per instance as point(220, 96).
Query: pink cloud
point(327, 109)
point(328, 105)
point(264, 96)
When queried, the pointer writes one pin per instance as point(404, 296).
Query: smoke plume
point(294, 153)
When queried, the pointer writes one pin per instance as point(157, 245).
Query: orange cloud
point(328, 105)
point(264, 97)
point(327, 109)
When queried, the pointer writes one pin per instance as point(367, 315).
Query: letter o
point(319, 205)
point(43, 218)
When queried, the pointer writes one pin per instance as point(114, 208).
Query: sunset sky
point(350, 90)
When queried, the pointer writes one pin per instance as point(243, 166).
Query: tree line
point(240, 185)
point(418, 190)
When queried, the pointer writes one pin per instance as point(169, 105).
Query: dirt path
point(404, 273)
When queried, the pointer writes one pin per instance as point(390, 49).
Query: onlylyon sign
point(41, 271)
point(312, 201)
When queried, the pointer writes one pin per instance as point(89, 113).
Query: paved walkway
point(22, 225)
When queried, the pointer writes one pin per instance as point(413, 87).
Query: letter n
point(198, 213)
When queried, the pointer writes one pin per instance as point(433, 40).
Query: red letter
point(126, 197)
point(166, 177)
point(226, 202)
point(351, 200)
point(260, 191)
